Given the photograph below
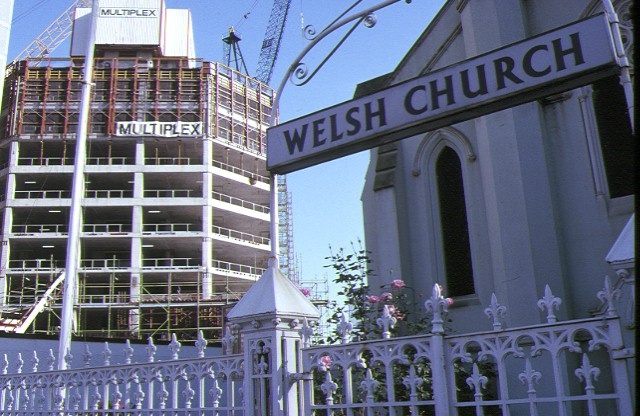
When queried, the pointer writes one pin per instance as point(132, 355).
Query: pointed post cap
point(273, 295)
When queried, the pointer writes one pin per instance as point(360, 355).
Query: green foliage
point(363, 306)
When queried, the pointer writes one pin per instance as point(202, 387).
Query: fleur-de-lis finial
point(529, 376)
point(438, 306)
point(587, 372)
point(174, 346)
point(87, 356)
point(344, 328)
point(386, 322)
point(477, 381)
point(151, 350)
point(228, 340)
point(607, 296)
point(495, 311)
point(548, 302)
point(127, 352)
point(369, 384)
point(201, 344)
point(413, 382)
point(306, 332)
point(328, 387)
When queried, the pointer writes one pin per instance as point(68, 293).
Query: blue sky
point(326, 198)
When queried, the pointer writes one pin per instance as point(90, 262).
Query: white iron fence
point(572, 368)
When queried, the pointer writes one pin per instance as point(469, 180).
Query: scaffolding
point(175, 229)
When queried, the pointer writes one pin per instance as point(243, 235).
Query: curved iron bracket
point(298, 73)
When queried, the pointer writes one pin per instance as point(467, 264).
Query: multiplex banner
point(158, 129)
point(555, 61)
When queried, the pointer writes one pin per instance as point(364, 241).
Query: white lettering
point(122, 12)
point(552, 62)
point(158, 129)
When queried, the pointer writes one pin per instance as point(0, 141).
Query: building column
point(137, 219)
point(5, 250)
point(207, 220)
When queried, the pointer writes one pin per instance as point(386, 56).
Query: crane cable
point(28, 11)
point(245, 16)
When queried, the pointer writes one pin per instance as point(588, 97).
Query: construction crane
point(272, 40)
point(56, 33)
point(266, 62)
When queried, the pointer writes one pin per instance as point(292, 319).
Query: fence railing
point(568, 368)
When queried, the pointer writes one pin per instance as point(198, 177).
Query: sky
point(326, 206)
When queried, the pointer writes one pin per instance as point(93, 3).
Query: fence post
point(437, 305)
point(270, 318)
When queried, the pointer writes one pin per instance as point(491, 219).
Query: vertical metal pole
point(623, 61)
point(274, 229)
point(77, 191)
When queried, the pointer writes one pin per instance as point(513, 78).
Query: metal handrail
point(240, 202)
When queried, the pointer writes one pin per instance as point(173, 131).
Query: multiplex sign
point(158, 129)
point(552, 62)
point(127, 12)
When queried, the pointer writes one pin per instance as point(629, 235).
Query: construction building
point(175, 208)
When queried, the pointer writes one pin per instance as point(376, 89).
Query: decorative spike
point(587, 372)
point(216, 393)
point(188, 393)
point(51, 360)
point(34, 362)
point(328, 388)
point(228, 340)
point(201, 344)
point(174, 347)
point(495, 311)
point(438, 306)
point(87, 356)
point(68, 359)
point(19, 363)
point(151, 350)
point(106, 354)
point(548, 302)
point(128, 352)
point(413, 382)
point(386, 322)
point(529, 376)
point(4, 364)
point(344, 328)
point(607, 296)
point(138, 398)
point(306, 332)
point(369, 384)
point(96, 398)
point(477, 381)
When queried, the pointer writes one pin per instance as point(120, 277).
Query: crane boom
point(56, 33)
point(272, 39)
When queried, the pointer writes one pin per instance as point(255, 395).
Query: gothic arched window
point(454, 225)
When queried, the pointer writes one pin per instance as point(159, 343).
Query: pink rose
point(326, 361)
point(397, 284)
point(373, 299)
point(386, 296)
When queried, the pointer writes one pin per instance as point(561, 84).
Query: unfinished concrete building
point(175, 209)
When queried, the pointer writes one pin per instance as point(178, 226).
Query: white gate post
point(437, 305)
point(270, 317)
